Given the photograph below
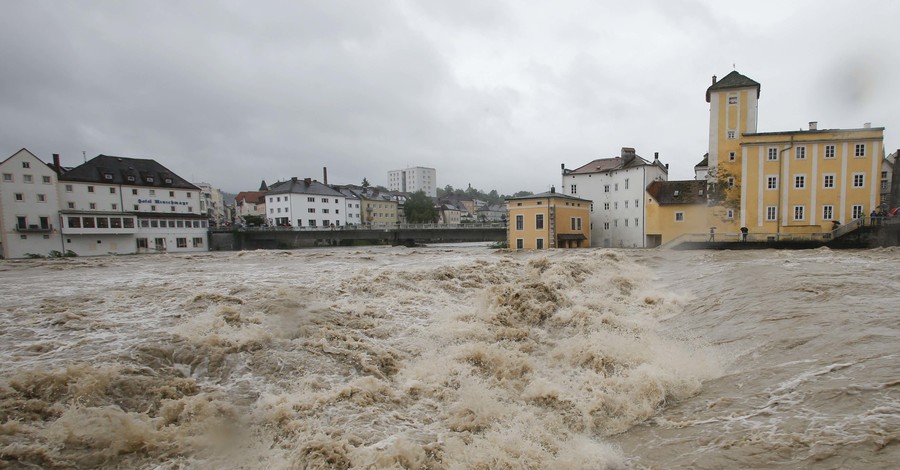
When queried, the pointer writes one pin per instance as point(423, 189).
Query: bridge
point(254, 238)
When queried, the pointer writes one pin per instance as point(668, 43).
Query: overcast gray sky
point(492, 93)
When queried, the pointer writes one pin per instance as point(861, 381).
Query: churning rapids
point(452, 357)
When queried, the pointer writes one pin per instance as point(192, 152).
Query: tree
point(254, 220)
point(365, 183)
point(419, 209)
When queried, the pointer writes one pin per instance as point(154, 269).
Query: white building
point(212, 203)
point(414, 179)
point(616, 187)
point(120, 205)
point(29, 207)
point(352, 210)
point(305, 203)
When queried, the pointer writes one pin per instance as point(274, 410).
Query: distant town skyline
point(492, 94)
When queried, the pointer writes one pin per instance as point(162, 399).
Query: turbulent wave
point(381, 358)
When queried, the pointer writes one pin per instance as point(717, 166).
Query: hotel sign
point(162, 202)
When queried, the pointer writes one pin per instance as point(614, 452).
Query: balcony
point(34, 228)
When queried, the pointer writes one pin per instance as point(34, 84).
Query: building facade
point(616, 187)
point(414, 179)
point(548, 220)
point(250, 203)
point(121, 205)
point(305, 203)
point(212, 203)
point(29, 207)
point(675, 208)
point(786, 182)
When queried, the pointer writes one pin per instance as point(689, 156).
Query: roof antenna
point(734, 66)
point(84, 155)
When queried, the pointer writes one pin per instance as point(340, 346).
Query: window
point(70, 205)
point(800, 153)
point(128, 222)
point(153, 208)
point(88, 222)
point(180, 224)
point(171, 223)
point(616, 187)
point(539, 221)
point(636, 202)
point(606, 225)
point(616, 205)
point(606, 206)
point(800, 181)
point(679, 216)
point(90, 189)
point(626, 204)
point(309, 199)
point(626, 183)
point(324, 222)
point(731, 182)
point(827, 212)
point(859, 180)
point(7, 177)
point(520, 244)
point(26, 165)
point(171, 193)
point(102, 222)
point(732, 100)
point(311, 210)
point(173, 208)
point(773, 154)
point(828, 181)
point(20, 197)
point(92, 205)
point(181, 242)
point(829, 151)
point(153, 192)
point(592, 207)
point(860, 150)
point(42, 198)
point(155, 224)
point(324, 211)
point(573, 189)
point(615, 222)
point(142, 243)
point(520, 222)
point(112, 190)
point(27, 178)
point(107, 176)
point(136, 207)
point(198, 242)
point(635, 222)
point(798, 212)
point(21, 222)
point(134, 192)
point(731, 156)
point(884, 185)
point(605, 188)
point(130, 178)
point(731, 135)
point(188, 194)
point(771, 212)
point(45, 179)
point(626, 222)
point(115, 222)
point(74, 222)
point(167, 180)
point(540, 243)
point(729, 214)
point(324, 199)
point(771, 182)
point(857, 211)
point(576, 223)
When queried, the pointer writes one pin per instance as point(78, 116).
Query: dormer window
point(168, 180)
point(149, 179)
point(130, 177)
point(107, 176)
point(675, 193)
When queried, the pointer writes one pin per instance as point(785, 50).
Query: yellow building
point(785, 182)
point(549, 220)
point(675, 208)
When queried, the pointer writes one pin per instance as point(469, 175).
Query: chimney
point(325, 175)
point(307, 181)
point(627, 151)
point(655, 156)
point(552, 189)
point(813, 125)
point(56, 166)
point(714, 80)
point(867, 125)
point(294, 179)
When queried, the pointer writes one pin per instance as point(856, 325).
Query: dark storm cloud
point(496, 94)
